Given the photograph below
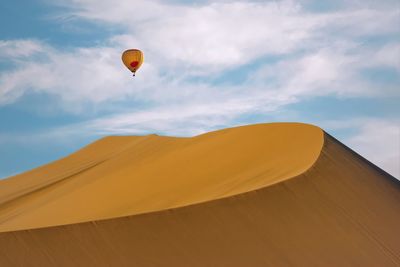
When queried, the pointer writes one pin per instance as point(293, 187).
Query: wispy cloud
point(16, 49)
point(318, 53)
point(379, 141)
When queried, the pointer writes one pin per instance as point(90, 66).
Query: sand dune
point(119, 176)
point(282, 194)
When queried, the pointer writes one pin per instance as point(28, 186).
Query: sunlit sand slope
point(340, 211)
point(120, 176)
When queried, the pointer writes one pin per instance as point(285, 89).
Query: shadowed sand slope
point(336, 210)
point(119, 176)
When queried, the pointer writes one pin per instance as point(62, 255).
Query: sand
point(120, 176)
point(262, 195)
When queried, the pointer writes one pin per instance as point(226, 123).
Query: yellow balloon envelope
point(132, 59)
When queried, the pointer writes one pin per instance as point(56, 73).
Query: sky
point(208, 65)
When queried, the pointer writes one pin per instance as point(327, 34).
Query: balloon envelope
point(132, 59)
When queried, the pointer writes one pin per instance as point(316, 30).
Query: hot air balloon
point(132, 59)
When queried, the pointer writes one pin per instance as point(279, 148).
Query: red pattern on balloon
point(134, 64)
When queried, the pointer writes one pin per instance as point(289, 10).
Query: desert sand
point(281, 194)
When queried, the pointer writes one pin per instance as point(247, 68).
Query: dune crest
point(127, 175)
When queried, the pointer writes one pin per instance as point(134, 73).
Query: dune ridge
point(120, 176)
point(341, 211)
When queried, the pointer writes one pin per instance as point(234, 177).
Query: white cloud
point(215, 35)
point(337, 69)
point(364, 21)
point(205, 39)
point(187, 119)
point(379, 142)
point(20, 48)
point(376, 139)
point(82, 75)
point(387, 56)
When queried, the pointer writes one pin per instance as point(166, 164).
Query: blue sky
point(208, 65)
